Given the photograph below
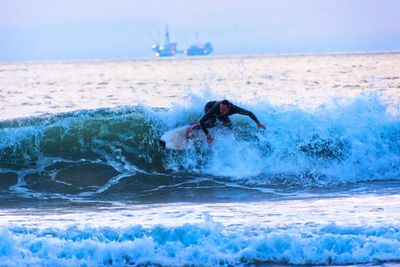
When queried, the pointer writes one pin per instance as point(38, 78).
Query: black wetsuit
point(212, 114)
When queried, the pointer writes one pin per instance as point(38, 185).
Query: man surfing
point(219, 110)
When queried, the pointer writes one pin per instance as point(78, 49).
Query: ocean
point(84, 181)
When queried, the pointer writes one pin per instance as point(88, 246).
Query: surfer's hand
point(261, 126)
point(188, 132)
point(209, 138)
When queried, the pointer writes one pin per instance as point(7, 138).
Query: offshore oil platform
point(170, 49)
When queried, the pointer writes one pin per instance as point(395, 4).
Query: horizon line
point(181, 57)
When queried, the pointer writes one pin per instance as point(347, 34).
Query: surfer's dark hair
point(226, 102)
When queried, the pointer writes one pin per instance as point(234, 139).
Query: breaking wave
point(97, 152)
point(203, 244)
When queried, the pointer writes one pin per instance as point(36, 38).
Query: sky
point(126, 29)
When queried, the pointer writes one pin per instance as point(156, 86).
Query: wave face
point(203, 244)
point(98, 152)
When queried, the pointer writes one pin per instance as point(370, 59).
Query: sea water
point(84, 182)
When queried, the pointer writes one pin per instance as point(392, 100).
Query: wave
point(93, 152)
point(203, 244)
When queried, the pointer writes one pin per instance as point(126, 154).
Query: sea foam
point(207, 243)
point(346, 142)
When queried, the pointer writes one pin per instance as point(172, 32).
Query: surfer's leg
point(227, 122)
point(210, 123)
point(162, 143)
point(193, 126)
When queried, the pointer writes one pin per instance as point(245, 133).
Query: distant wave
point(95, 151)
point(204, 244)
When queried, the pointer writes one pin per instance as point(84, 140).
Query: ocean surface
point(84, 182)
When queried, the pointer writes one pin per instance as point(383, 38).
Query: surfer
point(220, 110)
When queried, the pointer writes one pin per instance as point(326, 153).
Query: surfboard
point(180, 139)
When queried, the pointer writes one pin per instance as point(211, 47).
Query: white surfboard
point(176, 138)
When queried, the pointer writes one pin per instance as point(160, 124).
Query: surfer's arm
point(202, 123)
point(246, 112)
point(207, 116)
point(193, 126)
point(226, 121)
point(242, 111)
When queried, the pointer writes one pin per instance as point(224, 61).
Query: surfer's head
point(224, 107)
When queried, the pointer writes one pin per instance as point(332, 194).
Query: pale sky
point(125, 29)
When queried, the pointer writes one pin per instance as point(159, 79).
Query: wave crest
point(96, 150)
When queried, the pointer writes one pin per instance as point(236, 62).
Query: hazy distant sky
point(73, 29)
